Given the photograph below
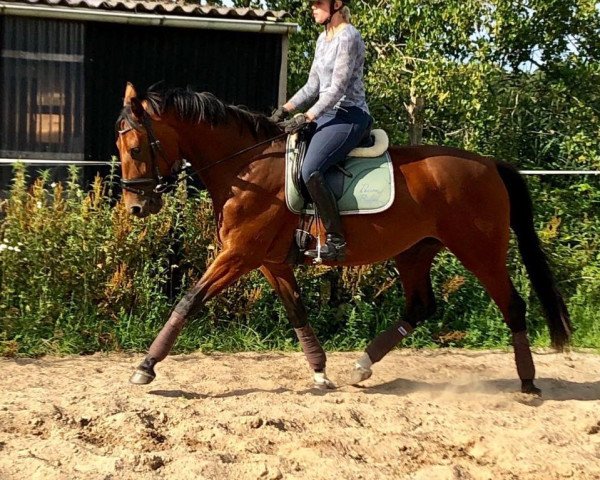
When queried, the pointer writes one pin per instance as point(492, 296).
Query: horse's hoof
point(326, 385)
point(528, 387)
point(360, 374)
point(322, 382)
point(141, 377)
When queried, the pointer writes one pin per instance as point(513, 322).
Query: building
point(64, 65)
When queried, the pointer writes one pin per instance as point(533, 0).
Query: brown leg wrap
point(387, 340)
point(311, 347)
point(523, 358)
point(165, 340)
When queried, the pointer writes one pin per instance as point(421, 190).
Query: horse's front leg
point(282, 279)
point(225, 269)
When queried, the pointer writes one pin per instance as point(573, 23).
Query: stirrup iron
point(334, 251)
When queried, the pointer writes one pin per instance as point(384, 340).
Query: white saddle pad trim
point(382, 143)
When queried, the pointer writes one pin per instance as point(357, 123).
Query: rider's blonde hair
point(345, 13)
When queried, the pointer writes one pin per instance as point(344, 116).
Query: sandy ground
point(425, 415)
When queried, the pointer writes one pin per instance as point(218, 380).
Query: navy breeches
point(337, 132)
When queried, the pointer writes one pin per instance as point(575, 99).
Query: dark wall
point(239, 68)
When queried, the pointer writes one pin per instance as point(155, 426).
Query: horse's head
point(150, 155)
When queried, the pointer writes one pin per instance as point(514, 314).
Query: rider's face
point(320, 10)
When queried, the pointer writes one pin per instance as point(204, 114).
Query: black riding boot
point(327, 207)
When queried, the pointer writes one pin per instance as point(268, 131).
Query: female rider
point(341, 113)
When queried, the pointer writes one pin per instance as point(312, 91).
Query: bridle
point(157, 184)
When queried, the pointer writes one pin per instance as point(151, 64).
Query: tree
point(517, 79)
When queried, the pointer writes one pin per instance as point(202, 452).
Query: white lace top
point(336, 75)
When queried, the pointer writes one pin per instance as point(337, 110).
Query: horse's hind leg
point(282, 279)
point(486, 258)
point(414, 267)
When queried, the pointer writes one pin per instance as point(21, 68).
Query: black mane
point(195, 107)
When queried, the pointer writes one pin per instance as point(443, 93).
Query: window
point(41, 89)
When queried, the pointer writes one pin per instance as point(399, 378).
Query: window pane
point(41, 99)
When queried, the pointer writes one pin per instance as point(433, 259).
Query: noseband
point(158, 184)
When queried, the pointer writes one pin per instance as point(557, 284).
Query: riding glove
point(279, 115)
point(295, 124)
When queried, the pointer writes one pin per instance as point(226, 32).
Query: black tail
point(534, 258)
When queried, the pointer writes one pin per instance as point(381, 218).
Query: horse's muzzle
point(146, 206)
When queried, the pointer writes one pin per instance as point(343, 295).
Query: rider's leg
point(326, 203)
point(337, 133)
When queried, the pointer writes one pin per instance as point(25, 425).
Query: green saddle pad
point(369, 190)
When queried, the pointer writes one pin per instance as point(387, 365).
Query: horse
point(445, 198)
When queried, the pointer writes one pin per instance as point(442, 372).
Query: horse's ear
point(137, 108)
point(129, 94)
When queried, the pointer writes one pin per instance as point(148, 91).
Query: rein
point(158, 184)
point(277, 137)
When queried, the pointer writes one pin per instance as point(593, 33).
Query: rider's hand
point(279, 115)
point(295, 124)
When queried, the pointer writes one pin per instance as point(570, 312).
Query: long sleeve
point(336, 74)
point(343, 69)
point(310, 90)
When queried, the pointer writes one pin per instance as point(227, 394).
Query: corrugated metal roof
point(162, 8)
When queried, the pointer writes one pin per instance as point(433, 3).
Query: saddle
point(362, 184)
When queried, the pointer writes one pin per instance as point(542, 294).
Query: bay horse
point(445, 198)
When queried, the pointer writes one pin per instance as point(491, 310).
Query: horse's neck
point(210, 145)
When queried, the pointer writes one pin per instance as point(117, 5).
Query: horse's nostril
point(135, 210)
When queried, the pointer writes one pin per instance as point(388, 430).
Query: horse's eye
point(135, 152)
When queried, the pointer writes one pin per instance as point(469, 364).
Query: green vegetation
point(517, 80)
point(79, 275)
